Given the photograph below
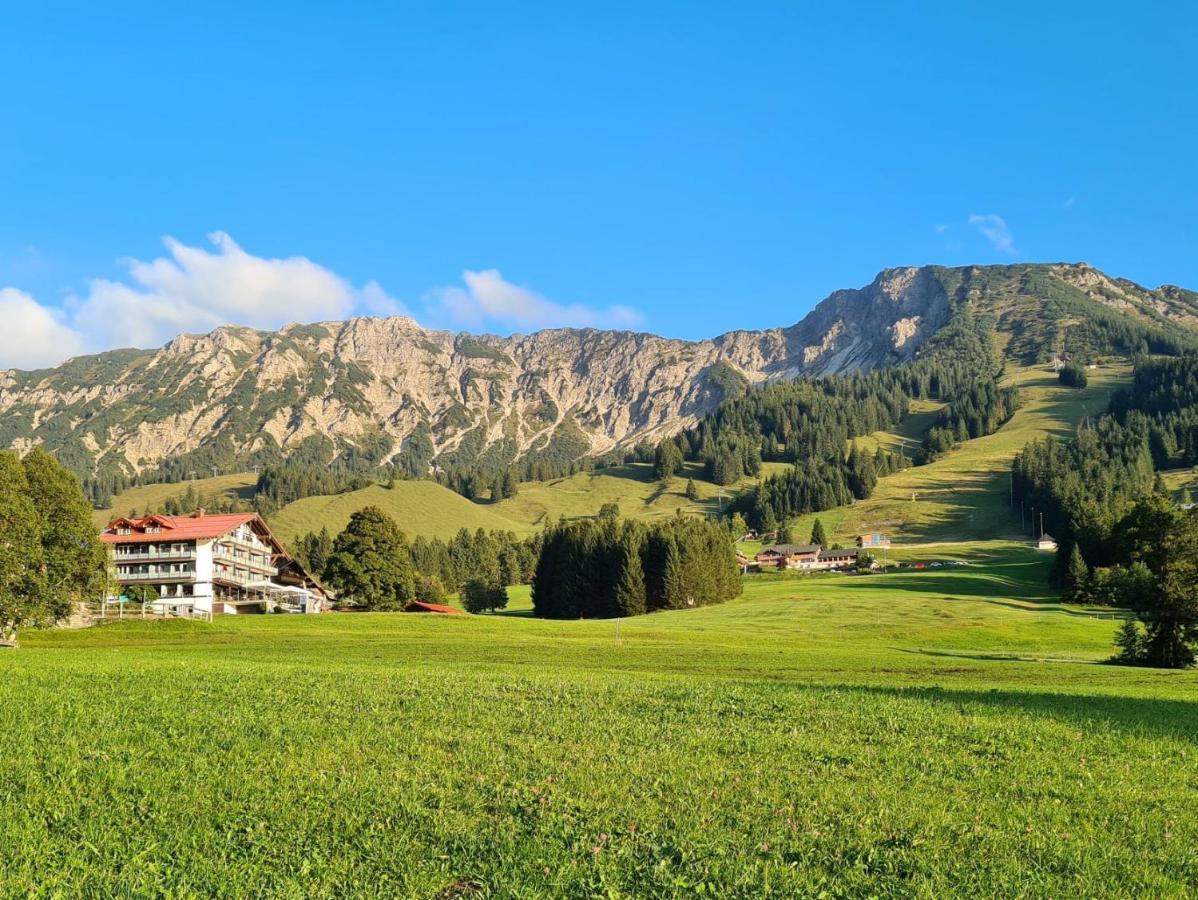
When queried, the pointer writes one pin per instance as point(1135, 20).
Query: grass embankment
point(420, 507)
point(948, 732)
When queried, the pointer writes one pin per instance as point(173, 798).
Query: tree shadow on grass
point(999, 582)
point(1137, 716)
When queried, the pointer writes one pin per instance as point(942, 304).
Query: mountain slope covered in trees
point(385, 395)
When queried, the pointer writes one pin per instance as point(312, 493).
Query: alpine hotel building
point(211, 563)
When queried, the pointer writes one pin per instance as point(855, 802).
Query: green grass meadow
point(949, 732)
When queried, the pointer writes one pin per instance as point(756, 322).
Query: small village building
point(1046, 542)
point(787, 556)
point(838, 559)
point(873, 540)
point(418, 606)
point(806, 557)
point(211, 564)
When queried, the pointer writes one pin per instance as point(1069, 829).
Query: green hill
point(238, 486)
point(420, 507)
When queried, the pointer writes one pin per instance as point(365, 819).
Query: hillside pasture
point(137, 499)
point(965, 495)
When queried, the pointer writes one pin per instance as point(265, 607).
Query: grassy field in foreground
point(947, 732)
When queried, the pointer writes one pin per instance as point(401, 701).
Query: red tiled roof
point(176, 528)
point(421, 606)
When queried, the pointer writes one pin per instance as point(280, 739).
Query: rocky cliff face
point(389, 390)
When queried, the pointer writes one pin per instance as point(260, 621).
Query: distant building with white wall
point(1046, 542)
point(873, 540)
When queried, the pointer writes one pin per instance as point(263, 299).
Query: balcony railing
point(154, 576)
point(188, 553)
point(243, 561)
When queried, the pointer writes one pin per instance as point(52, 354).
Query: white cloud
point(941, 229)
point(33, 336)
point(995, 230)
point(195, 289)
point(488, 300)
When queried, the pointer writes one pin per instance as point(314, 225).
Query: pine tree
point(479, 595)
point(666, 461)
point(818, 536)
point(1130, 641)
point(692, 491)
point(1077, 577)
point(630, 586)
point(674, 578)
point(1172, 620)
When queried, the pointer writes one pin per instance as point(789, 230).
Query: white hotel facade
point(217, 564)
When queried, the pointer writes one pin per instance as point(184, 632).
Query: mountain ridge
point(388, 391)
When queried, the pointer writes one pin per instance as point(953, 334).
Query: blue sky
point(685, 169)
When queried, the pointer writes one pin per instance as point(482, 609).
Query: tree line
point(607, 568)
point(1120, 539)
point(1153, 573)
point(812, 424)
point(372, 564)
point(1085, 485)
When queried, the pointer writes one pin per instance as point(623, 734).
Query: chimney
point(199, 513)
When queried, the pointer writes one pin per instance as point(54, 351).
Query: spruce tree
point(1077, 577)
point(630, 586)
point(674, 578)
point(692, 491)
point(1172, 620)
point(818, 536)
point(666, 461)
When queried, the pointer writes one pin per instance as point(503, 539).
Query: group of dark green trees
point(810, 422)
point(1154, 573)
point(607, 568)
point(1084, 487)
point(50, 554)
point(371, 564)
point(1101, 496)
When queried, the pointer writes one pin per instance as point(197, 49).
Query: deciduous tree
point(370, 563)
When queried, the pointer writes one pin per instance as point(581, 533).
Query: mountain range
point(386, 390)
